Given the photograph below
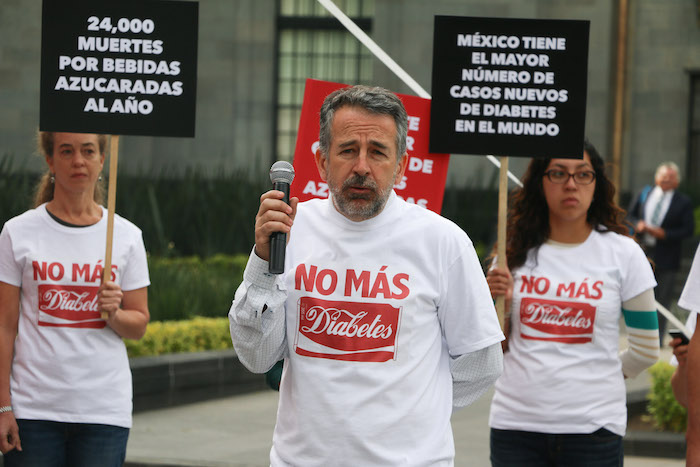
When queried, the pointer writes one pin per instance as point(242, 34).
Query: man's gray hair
point(375, 100)
point(668, 165)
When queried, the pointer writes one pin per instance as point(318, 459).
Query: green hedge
point(665, 411)
point(182, 288)
point(202, 214)
point(189, 299)
point(193, 214)
point(16, 186)
point(193, 335)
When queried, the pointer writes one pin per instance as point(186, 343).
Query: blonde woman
point(65, 383)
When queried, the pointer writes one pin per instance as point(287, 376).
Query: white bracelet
point(6, 408)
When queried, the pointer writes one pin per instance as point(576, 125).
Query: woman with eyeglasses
point(65, 382)
point(573, 271)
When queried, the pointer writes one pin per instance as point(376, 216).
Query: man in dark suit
point(662, 218)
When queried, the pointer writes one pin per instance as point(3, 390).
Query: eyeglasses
point(559, 177)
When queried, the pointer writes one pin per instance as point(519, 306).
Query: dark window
point(313, 44)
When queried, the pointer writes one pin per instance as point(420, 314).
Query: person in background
point(65, 381)
point(572, 272)
point(382, 315)
point(663, 217)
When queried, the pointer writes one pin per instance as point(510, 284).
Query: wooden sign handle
point(502, 219)
point(111, 201)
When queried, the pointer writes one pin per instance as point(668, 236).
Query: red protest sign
point(424, 179)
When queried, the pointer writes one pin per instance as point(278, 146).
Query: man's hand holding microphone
point(275, 217)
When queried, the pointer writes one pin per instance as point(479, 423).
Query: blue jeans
point(57, 444)
point(510, 448)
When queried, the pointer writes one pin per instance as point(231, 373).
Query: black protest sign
point(509, 87)
point(125, 67)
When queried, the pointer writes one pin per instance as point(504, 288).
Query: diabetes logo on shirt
point(551, 320)
point(70, 306)
point(363, 332)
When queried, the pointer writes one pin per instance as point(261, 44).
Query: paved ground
point(237, 431)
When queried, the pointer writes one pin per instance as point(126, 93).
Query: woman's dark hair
point(528, 216)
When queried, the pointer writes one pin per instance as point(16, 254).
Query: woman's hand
point(127, 312)
point(9, 319)
point(9, 433)
point(500, 282)
point(501, 285)
point(109, 298)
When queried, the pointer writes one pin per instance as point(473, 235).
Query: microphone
point(281, 176)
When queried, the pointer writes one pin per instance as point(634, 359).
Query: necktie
point(656, 215)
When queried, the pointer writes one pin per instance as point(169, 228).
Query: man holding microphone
point(382, 314)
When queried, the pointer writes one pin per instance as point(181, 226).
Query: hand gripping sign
point(121, 67)
point(512, 87)
point(424, 180)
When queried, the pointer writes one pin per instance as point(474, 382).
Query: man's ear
point(321, 163)
point(402, 168)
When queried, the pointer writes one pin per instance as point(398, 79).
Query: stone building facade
point(253, 55)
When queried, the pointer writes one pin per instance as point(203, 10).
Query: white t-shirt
point(690, 298)
point(374, 310)
point(68, 365)
point(692, 321)
point(562, 373)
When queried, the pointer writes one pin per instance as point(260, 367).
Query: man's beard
point(349, 205)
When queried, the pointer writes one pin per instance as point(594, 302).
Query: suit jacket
point(678, 224)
